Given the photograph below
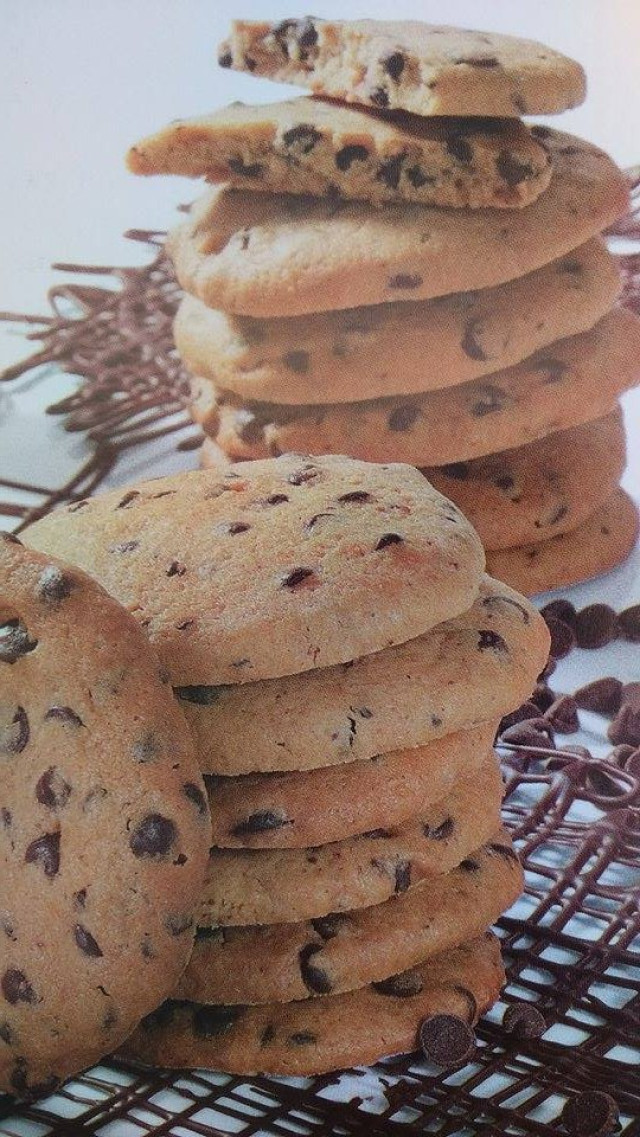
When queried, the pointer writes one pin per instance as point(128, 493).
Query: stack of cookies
point(343, 663)
point(401, 270)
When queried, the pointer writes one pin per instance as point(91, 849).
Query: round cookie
point(469, 670)
point(538, 491)
point(347, 950)
point(596, 546)
point(285, 811)
point(369, 353)
point(573, 381)
point(276, 886)
point(430, 69)
point(276, 567)
point(327, 1034)
point(308, 146)
point(280, 255)
point(104, 826)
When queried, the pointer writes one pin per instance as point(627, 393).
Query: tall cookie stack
point(411, 286)
point(343, 664)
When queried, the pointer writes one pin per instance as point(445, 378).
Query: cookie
point(326, 1034)
point(104, 825)
point(274, 568)
point(347, 950)
point(264, 254)
point(467, 671)
point(275, 886)
point(294, 811)
point(596, 546)
point(538, 491)
point(571, 382)
point(388, 349)
point(430, 69)
point(308, 146)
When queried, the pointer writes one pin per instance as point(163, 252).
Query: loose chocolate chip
point(404, 280)
point(349, 154)
point(393, 64)
point(489, 640)
point(262, 821)
point(403, 417)
point(402, 876)
point(486, 61)
point(543, 697)
point(15, 641)
point(297, 361)
point(211, 1022)
point(16, 988)
point(245, 170)
point(314, 977)
point(416, 176)
point(195, 795)
point(625, 728)
point(86, 942)
point(45, 852)
point(297, 577)
point(447, 1040)
point(620, 755)
point(469, 342)
point(595, 626)
point(52, 790)
point(527, 711)
point(225, 59)
point(629, 624)
point(590, 1114)
point(153, 836)
point(631, 762)
point(511, 169)
point(459, 148)
point(402, 986)
point(202, 696)
point(53, 585)
point(379, 97)
point(176, 568)
point(389, 172)
point(630, 696)
point(64, 715)
point(603, 696)
point(490, 399)
point(563, 639)
point(388, 539)
point(524, 1021)
point(14, 734)
point(439, 832)
point(303, 137)
point(563, 715)
point(301, 1038)
point(535, 732)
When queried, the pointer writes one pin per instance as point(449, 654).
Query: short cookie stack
point(420, 279)
point(343, 664)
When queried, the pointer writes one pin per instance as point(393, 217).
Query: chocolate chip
point(250, 65)
point(201, 695)
point(393, 64)
point(177, 925)
point(447, 1040)
point(53, 585)
point(403, 417)
point(195, 795)
point(388, 539)
point(504, 851)
point(595, 626)
point(469, 865)
point(276, 499)
point(225, 59)
point(297, 361)
point(77, 505)
point(590, 1114)
point(630, 696)
point(268, 1034)
point(301, 1038)
point(629, 624)
point(620, 755)
point(211, 1022)
point(534, 732)
point(490, 399)
point(483, 61)
point(153, 836)
point(65, 715)
point(402, 876)
point(563, 715)
point(389, 172)
point(405, 280)
point(232, 528)
point(356, 496)
point(52, 790)
point(306, 34)
point(553, 370)
point(563, 638)
point(625, 728)
point(6, 1034)
point(176, 568)
point(527, 711)
point(14, 734)
point(511, 169)
point(524, 1021)
point(86, 942)
point(603, 696)
point(439, 832)
point(15, 641)
point(80, 899)
point(297, 577)
point(314, 977)
point(459, 148)
point(560, 610)
point(330, 926)
point(16, 988)
point(299, 477)
point(245, 170)
point(379, 97)
point(416, 176)
point(489, 640)
point(542, 697)
point(469, 342)
point(45, 852)
point(303, 137)
point(262, 821)
point(402, 986)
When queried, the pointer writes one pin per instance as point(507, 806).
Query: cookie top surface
point(104, 826)
point(468, 670)
point(424, 68)
point(281, 255)
point(310, 146)
point(274, 567)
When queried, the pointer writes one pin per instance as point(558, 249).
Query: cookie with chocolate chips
point(597, 545)
point(538, 491)
point(370, 353)
point(565, 384)
point(307, 146)
point(346, 950)
point(469, 670)
point(275, 567)
point(104, 825)
point(273, 886)
point(430, 69)
point(262, 254)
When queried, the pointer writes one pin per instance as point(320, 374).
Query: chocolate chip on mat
point(629, 624)
point(559, 610)
point(563, 715)
point(591, 1114)
point(625, 728)
point(630, 696)
point(523, 1020)
point(632, 762)
point(535, 732)
point(596, 625)
point(563, 638)
point(447, 1040)
point(620, 755)
point(603, 696)
point(527, 711)
point(542, 697)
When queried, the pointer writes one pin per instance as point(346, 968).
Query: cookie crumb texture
point(425, 68)
point(104, 825)
point(273, 568)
